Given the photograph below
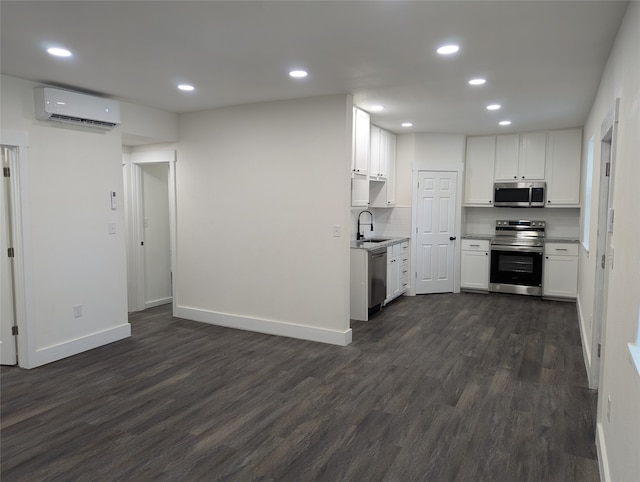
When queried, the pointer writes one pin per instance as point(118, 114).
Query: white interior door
point(603, 243)
point(8, 354)
point(435, 232)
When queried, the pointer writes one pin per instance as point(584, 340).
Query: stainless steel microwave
point(519, 194)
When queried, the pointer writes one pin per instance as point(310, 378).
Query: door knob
point(452, 238)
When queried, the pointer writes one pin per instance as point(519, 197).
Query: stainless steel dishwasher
point(377, 278)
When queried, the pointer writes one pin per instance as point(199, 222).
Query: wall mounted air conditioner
point(74, 108)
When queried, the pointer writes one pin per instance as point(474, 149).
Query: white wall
point(618, 439)
point(259, 188)
point(146, 125)
point(73, 259)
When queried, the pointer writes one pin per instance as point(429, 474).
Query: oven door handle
point(521, 249)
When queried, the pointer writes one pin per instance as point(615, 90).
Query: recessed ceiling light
point(59, 52)
point(448, 49)
point(477, 81)
point(493, 107)
point(505, 123)
point(407, 124)
point(298, 74)
point(186, 87)
point(377, 107)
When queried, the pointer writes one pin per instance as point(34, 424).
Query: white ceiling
point(542, 59)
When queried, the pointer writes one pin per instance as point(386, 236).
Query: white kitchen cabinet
point(379, 153)
point(564, 149)
point(560, 279)
point(397, 270)
point(507, 152)
point(533, 151)
point(481, 152)
point(359, 191)
point(390, 146)
point(474, 264)
point(361, 143)
point(521, 157)
point(382, 188)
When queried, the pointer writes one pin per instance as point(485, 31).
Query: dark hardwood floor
point(465, 387)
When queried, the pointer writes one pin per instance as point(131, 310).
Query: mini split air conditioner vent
point(74, 108)
point(80, 120)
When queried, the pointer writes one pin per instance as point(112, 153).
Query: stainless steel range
point(516, 257)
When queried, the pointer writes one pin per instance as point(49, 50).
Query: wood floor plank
point(450, 387)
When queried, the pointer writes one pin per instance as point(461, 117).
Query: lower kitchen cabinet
point(560, 279)
point(474, 264)
point(397, 270)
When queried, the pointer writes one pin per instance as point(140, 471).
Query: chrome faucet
point(361, 236)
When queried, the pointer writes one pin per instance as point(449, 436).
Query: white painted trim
point(22, 268)
point(603, 459)
point(73, 347)
point(162, 301)
point(586, 347)
point(269, 327)
point(634, 353)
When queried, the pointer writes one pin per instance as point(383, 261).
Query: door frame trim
point(135, 222)
point(608, 137)
point(22, 269)
point(427, 166)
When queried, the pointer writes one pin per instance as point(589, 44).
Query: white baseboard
point(586, 346)
point(162, 301)
point(269, 327)
point(53, 353)
point(603, 460)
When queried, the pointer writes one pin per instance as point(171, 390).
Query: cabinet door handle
point(452, 238)
point(475, 245)
point(561, 249)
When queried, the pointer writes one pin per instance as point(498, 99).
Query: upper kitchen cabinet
point(564, 149)
point(382, 153)
point(390, 145)
point(521, 157)
point(481, 153)
point(382, 168)
point(377, 159)
point(361, 143)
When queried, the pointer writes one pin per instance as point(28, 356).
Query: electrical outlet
point(609, 408)
point(77, 311)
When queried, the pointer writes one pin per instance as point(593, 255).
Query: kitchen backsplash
point(561, 223)
point(394, 222)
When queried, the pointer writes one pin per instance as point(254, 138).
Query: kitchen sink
point(373, 240)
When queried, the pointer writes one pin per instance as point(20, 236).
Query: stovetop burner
point(519, 233)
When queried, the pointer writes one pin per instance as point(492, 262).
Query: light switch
point(336, 231)
point(112, 228)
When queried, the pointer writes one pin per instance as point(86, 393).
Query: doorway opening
point(150, 210)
